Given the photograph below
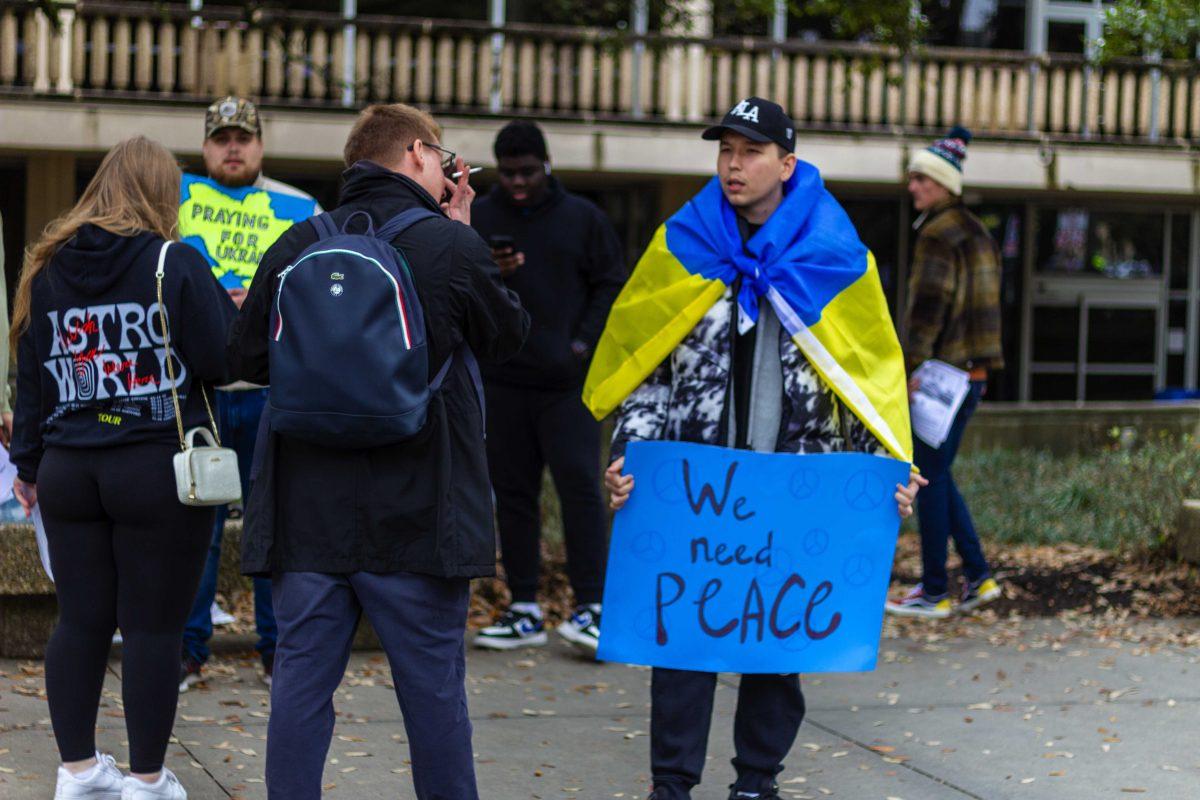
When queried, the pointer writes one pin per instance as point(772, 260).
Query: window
point(1066, 37)
point(1110, 244)
point(1121, 335)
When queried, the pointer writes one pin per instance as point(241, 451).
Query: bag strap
point(402, 222)
point(325, 225)
point(468, 357)
point(162, 319)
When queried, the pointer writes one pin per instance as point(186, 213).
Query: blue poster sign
point(732, 561)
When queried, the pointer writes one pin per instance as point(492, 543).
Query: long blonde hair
point(135, 189)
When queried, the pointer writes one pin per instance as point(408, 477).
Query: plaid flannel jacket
point(953, 311)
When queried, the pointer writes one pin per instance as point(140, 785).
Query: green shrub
point(1116, 499)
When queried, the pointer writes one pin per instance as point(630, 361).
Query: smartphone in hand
point(504, 251)
point(501, 242)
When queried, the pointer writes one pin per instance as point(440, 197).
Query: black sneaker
point(514, 629)
point(190, 673)
point(770, 793)
point(583, 628)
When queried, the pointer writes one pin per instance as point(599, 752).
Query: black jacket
point(91, 366)
point(420, 506)
point(573, 272)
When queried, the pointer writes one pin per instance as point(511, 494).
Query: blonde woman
point(94, 435)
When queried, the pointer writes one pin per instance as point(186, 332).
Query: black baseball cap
point(758, 120)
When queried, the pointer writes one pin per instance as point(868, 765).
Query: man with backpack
point(371, 489)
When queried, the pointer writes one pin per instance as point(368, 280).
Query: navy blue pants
point(421, 621)
point(237, 420)
point(769, 712)
point(941, 510)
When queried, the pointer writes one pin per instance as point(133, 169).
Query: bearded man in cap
point(741, 374)
point(953, 315)
point(233, 156)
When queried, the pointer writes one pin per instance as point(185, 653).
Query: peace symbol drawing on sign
point(865, 491)
point(804, 483)
point(816, 542)
point(668, 482)
point(648, 546)
point(857, 570)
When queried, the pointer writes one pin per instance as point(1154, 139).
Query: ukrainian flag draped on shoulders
point(807, 260)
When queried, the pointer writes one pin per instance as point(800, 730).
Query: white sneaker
point(104, 783)
point(220, 616)
point(514, 629)
point(168, 787)
point(583, 628)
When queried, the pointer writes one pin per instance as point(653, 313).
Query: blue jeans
point(420, 620)
point(941, 511)
point(237, 420)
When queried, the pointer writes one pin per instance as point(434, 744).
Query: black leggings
point(125, 552)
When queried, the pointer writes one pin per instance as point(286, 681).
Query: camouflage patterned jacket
point(687, 398)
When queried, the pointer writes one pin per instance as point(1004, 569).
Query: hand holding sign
point(619, 486)
point(748, 562)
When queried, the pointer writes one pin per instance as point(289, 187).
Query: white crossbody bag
point(205, 475)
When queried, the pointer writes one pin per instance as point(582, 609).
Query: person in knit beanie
point(943, 160)
point(952, 315)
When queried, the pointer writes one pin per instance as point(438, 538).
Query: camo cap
point(232, 112)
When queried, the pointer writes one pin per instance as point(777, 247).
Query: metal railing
point(156, 51)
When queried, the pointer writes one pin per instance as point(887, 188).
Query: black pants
point(770, 709)
point(529, 429)
point(125, 552)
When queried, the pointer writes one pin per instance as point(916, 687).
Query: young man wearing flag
point(754, 320)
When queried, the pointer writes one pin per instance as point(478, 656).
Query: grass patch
point(1115, 499)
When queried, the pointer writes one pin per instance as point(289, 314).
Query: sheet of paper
point(732, 561)
point(937, 400)
point(43, 547)
point(8, 473)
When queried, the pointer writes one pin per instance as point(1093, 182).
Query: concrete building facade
point(1088, 175)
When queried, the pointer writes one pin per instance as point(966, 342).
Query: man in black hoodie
point(561, 256)
point(394, 531)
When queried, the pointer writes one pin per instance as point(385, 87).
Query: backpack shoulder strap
point(324, 225)
point(468, 357)
point(402, 222)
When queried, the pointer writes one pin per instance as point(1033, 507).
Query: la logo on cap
point(745, 111)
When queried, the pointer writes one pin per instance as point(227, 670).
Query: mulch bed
point(1045, 581)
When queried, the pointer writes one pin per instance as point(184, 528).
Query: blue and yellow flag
point(232, 228)
point(807, 260)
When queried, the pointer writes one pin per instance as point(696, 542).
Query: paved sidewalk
point(978, 709)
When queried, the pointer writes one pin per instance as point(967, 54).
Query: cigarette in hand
point(471, 171)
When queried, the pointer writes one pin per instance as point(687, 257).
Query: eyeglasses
point(448, 156)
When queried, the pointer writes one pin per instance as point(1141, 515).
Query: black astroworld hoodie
point(91, 366)
point(573, 272)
